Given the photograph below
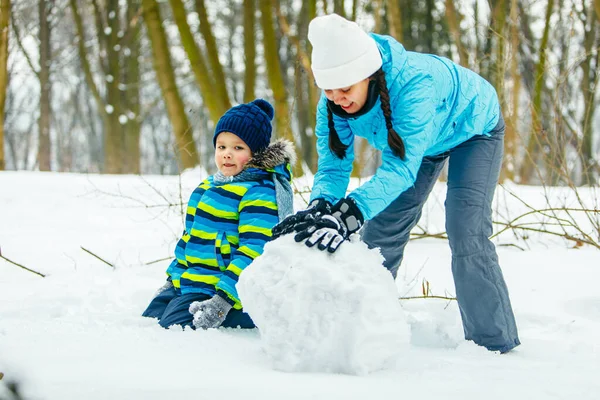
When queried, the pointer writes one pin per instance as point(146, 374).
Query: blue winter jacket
point(436, 105)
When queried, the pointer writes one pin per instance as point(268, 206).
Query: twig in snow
point(427, 297)
point(159, 260)
point(21, 266)
point(98, 257)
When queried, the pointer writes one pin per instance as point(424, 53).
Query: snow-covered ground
point(78, 334)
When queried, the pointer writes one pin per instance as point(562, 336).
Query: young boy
point(229, 220)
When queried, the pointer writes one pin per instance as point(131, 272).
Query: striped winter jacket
point(228, 223)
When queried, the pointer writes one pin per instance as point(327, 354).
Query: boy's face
point(231, 154)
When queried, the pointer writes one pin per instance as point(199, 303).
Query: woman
point(418, 110)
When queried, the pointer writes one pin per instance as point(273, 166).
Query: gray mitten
point(210, 313)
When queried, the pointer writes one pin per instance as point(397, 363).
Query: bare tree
point(249, 50)
point(395, 19)
point(219, 82)
point(45, 33)
point(4, 21)
point(198, 62)
point(274, 71)
point(186, 146)
point(538, 138)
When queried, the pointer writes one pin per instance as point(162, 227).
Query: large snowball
point(321, 312)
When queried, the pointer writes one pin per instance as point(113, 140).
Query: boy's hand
point(300, 220)
point(210, 313)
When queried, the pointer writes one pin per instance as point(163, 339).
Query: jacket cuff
point(226, 297)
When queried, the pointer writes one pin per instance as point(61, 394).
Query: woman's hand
point(329, 231)
point(300, 220)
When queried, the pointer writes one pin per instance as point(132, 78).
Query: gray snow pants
point(473, 173)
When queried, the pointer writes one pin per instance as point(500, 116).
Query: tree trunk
point(186, 147)
point(219, 81)
point(249, 51)
point(4, 21)
point(354, 10)
point(89, 79)
point(512, 119)
point(313, 90)
point(274, 72)
point(131, 94)
point(113, 131)
point(198, 63)
point(395, 19)
point(588, 85)
point(454, 18)
point(537, 138)
point(275, 75)
point(500, 22)
point(44, 7)
point(338, 8)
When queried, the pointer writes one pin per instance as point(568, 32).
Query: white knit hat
point(343, 54)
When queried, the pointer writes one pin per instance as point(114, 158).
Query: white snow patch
point(325, 312)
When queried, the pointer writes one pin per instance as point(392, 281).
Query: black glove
point(329, 231)
point(298, 221)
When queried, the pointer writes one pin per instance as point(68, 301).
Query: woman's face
point(231, 153)
point(351, 98)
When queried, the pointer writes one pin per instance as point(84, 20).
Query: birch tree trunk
point(4, 21)
point(186, 147)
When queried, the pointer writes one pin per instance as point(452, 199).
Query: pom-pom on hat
point(251, 122)
point(343, 54)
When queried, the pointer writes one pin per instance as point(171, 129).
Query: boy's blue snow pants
point(171, 308)
point(473, 172)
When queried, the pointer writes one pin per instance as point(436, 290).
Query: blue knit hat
point(251, 122)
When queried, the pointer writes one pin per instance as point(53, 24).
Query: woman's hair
point(394, 140)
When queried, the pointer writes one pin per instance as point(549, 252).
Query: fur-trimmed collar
point(277, 153)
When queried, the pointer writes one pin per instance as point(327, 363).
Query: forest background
point(136, 86)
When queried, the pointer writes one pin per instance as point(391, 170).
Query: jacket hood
point(278, 153)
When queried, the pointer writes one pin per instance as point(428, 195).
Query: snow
point(323, 312)
point(77, 333)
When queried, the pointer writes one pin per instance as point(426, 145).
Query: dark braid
point(335, 144)
point(394, 140)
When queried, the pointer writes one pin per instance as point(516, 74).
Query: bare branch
point(21, 266)
point(98, 257)
point(20, 43)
